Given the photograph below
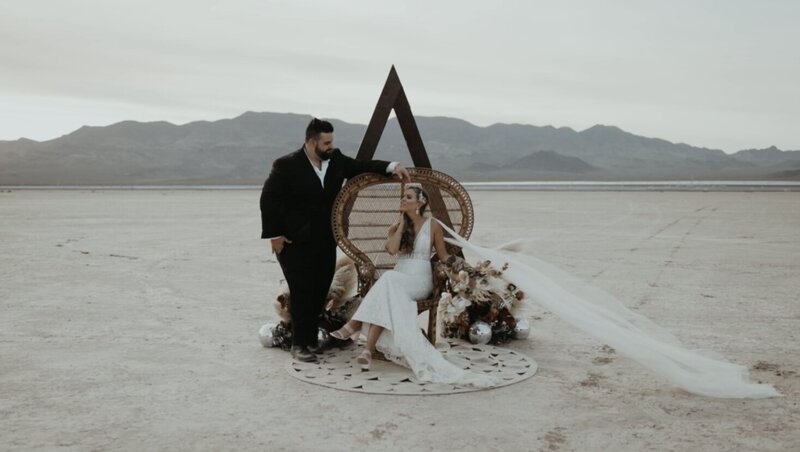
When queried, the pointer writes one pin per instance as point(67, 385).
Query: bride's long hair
point(407, 239)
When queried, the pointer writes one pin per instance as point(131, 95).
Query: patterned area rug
point(338, 369)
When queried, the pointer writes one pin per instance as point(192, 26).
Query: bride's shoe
point(364, 359)
point(346, 332)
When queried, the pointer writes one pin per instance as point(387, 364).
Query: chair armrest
point(366, 276)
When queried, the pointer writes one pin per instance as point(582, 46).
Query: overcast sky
point(719, 74)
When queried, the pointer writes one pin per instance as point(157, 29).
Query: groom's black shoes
point(333, 342)
point(340, 343)
point(302, 353)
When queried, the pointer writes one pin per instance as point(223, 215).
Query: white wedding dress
point(391, 303)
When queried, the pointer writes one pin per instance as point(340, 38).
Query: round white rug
point(338, 369)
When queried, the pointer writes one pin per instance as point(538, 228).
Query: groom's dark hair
point(316, 127)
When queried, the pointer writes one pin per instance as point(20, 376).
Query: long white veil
point(600, 315)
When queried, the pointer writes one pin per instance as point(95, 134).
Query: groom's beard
point(323, 155)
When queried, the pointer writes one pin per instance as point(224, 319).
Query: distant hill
point(550, 161)
point(240, 151)
point(788, 174)
point(770, 156)
point(543, 161)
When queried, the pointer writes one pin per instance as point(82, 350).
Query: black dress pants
point(308, 268)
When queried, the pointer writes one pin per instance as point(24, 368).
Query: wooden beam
point(393, 97)
point(380, 116)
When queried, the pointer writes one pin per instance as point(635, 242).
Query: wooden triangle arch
point(394, 97)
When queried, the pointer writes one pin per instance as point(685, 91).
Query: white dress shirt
point(323, 168)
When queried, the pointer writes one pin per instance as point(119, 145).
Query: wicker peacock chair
point(367, 206)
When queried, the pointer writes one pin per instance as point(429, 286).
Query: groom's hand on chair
point(401, 173)
point(278, 244)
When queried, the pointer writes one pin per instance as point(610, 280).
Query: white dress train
point(391, 303)
point(602, 316)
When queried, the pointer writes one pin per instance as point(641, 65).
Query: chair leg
point(432, 323)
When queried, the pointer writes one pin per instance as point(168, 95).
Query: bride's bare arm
point(438, 242)
point(393, 240)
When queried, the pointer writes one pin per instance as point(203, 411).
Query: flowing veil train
point(600, 315)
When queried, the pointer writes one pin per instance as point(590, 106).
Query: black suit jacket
point(296, 205)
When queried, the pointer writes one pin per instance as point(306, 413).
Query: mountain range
point(240, 151)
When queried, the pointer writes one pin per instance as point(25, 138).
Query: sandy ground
point(128, 320)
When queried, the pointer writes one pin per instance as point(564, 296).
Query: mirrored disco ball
point(266, 335)
point(523, 328)
point(480, 333)
point(323, 338)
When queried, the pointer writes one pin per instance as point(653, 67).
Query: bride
point(388, 313)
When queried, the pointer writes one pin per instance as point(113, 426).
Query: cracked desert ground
point(129, 319)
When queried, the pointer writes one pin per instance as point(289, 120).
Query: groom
point(296, 205)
